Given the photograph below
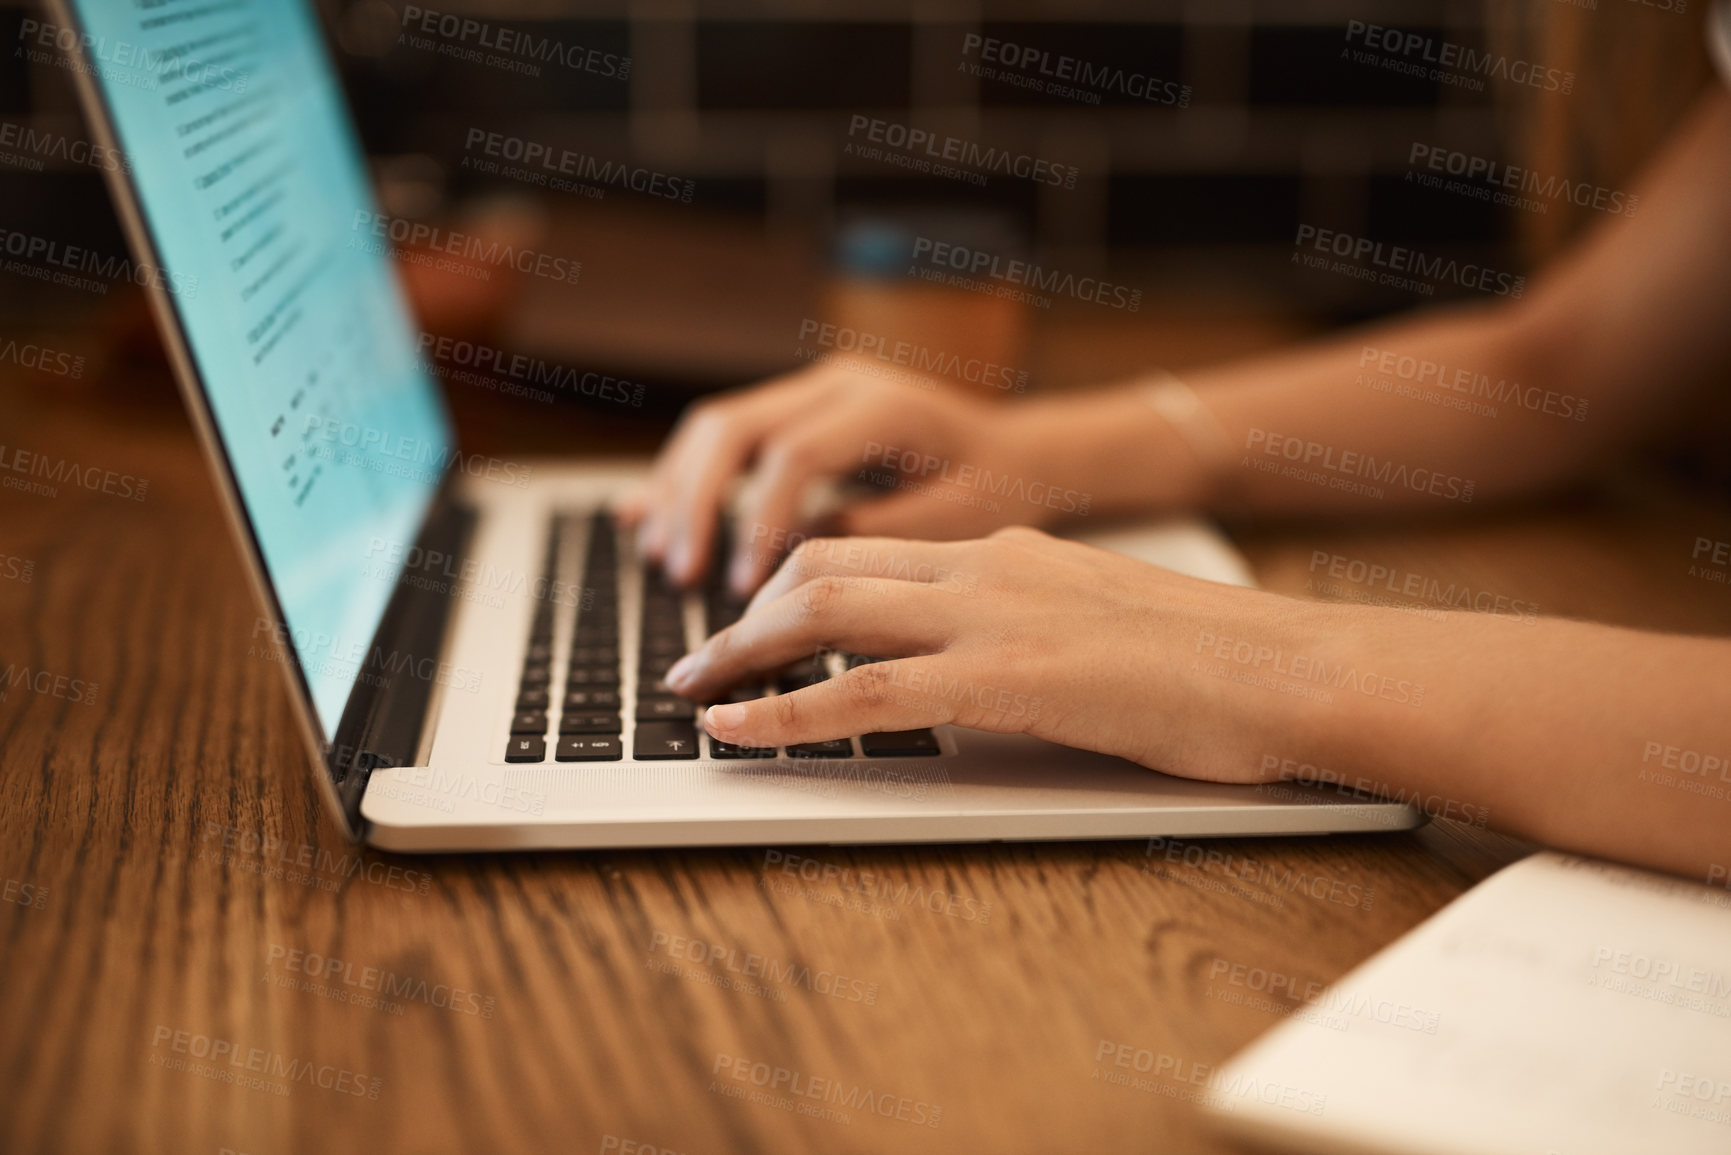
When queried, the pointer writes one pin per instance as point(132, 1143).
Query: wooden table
point(160, 930)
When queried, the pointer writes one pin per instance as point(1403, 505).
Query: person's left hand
point(1018, 632)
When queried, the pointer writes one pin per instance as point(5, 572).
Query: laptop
point(474, 648)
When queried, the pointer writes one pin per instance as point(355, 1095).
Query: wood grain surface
point(168, 870)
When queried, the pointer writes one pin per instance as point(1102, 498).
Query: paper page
point(1562, 1006)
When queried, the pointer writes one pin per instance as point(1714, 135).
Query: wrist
point(1198, 449)
point(1114, 447)
point(1286, 685)
point(1044, 443)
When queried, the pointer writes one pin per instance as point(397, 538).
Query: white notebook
point(1562, 1006)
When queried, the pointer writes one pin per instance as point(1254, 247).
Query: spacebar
point(665, 740)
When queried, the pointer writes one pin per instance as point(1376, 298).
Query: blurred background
point(721, 190)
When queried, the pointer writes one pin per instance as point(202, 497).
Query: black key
point(539, 652)
point(808, 672)
point(721, 552)
point(594, 656)
point(598, 677)
point(533, 698)
point(666, 740)
point(588, 701)
point(654, 667)
point(654, 688)
point(900, 744)
point(719, 749)
point(529, 722)
point(589, 748)
point(536, 675)
point(726, 607)
point(589, 724)
point(668, 647)
point(745, 693)
point(596, 635)
point(838, 748)
point(811, 667)
point(526, 748)
point(665, 709)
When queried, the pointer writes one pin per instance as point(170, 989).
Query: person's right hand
point(948, 456)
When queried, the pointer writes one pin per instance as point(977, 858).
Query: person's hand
point(954, 467)
point(1020, 632)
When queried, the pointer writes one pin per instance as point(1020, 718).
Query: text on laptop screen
point(256, 200)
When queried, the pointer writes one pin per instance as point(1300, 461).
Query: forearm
point(1602, 352)
point(1598, 740)
point(1425, 412)
point(1429, 412)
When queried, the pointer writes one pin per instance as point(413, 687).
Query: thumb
point(926, 516)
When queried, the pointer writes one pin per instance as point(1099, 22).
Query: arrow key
point(666, 740)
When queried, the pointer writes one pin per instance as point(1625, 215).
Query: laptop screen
point(252, 188)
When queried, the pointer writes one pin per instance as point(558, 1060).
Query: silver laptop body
point(416, 730)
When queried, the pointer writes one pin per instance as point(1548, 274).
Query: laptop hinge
point(387, 710)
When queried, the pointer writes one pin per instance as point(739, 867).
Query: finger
point(692, 499)
point(923, 515)
point(865, 615)
point(824, 445)
point(671, 463)
point(676, 460)
point(870, 557)
point(629, 507)
point(657, 491)
point(716, 446)
point(864, 700)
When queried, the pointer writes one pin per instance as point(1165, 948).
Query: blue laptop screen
point(255, 197)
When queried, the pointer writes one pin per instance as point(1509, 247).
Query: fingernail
point(681, 670)
point(677, 559)
point(724, 717)
point(740, 573)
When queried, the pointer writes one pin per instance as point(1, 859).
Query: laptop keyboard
point(583, 711)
